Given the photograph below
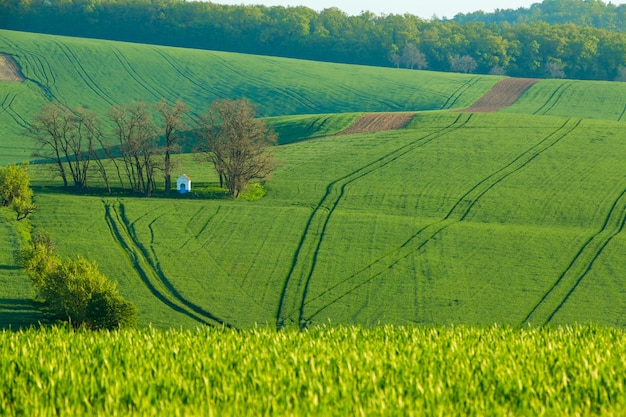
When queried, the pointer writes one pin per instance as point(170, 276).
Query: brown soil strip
point(501, 95)
point(376, 122)
point(9, 70)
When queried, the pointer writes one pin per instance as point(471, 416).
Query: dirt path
point(9, 70)
point(376, 122)
point(501, 95)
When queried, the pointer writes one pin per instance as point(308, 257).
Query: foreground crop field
point(324, 371)
point(458, 218)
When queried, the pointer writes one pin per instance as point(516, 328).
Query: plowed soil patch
point(501, 95)
point(9, 70)
point(376, 122)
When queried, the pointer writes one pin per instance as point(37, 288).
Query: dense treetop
point(557, 38)
point(594, 13)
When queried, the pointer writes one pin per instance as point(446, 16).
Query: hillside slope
point(466, 218)
point(99, 74)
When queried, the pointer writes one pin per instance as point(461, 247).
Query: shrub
point(15, 191)
point(108, 310)
point(75, 290)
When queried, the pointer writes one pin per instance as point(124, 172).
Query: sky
point(423, 9)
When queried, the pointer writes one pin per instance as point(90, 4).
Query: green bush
point(75, 290)
point(108, 310)
point(15, 191)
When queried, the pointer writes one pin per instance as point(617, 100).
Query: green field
point(98, 74)
point(334, 371)
point(467, 264)
point(513, 218)
point(460, 218)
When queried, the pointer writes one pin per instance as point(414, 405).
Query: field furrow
point(188, 75)
point(554, 98)
point(295, 290)
point(454, 97)
point(156, 282)
point(7, 107)
point(457, 213)
point(132, 73)
point(501, 95)
point(578, 268)
point(83, 73)
point(376, 122)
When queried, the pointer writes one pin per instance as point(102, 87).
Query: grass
point(570, 98)
point(458, 219)
point(327, 371)
point(98, 74)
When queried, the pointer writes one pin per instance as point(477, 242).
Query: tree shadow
point(21, 313)
point(9, 267)
point(200, 191)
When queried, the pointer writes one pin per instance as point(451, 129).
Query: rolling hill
point(454, 216)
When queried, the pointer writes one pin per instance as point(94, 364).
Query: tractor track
point(457, 213)
point(554, 98)
point(454, 97)
point(295, 288)
point(130, 70)
point(7, 107)
point(565, 285)
point(200, 83)
point(38, 68)
point(151, 275)
point(84, 74)
point(621, 116)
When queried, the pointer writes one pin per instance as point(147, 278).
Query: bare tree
point(413, 58)
point(135, 132)
point(554, 68)
point(50, 126)
point(463, 63)
point(174, 124)
point(237, 143)
point(68, 138)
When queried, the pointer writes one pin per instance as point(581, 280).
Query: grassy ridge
point(329, 371)
point(98, 74)
point(571, 98)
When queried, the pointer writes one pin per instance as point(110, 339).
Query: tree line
point(532, 48)
point(594, 13)
point(134, 147)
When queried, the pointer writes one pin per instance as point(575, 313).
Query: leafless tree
point(237, 143)
point(135, 133)
point(554, 68)
point(413, 58)
point(463, 63)
point(68, 138)
point(174, 124)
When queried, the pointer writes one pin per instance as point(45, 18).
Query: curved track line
point(621, 116)
point(152, 276)
point(84, 74)
point(295, 289)
point(454, 97)
point(554, 98)
point(7, 107)
point(186, 74)
point(581, 264)
point(130, 70)
point(458, 213)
